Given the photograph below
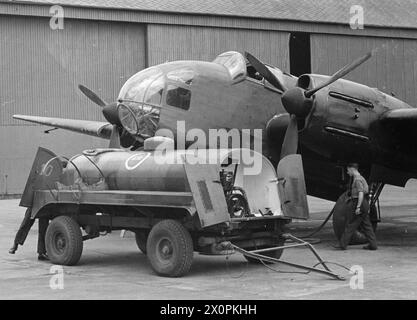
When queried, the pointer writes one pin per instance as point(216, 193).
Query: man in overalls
point(23, 231)
point(360, 216)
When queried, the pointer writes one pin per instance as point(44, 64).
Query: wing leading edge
point(92, 128)
point(397, 130)
point(408, 114)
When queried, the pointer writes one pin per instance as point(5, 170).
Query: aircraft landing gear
point(375, 213)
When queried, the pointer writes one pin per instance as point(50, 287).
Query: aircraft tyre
point(342, 211)
point(170, 249)
point(64, 241)
point(141, 239)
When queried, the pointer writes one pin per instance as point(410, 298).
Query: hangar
point(104, 42)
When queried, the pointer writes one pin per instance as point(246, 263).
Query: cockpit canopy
point(141, 97)
point(235, 64)
point(238, 69)
point(145, 86)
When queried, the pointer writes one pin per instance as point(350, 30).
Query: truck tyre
point(273, 254)
point(64, 241)
point(141, 239)
point(170, 249)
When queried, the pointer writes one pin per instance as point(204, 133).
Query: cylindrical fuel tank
point(128, 170)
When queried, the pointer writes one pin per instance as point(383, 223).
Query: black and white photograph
point(208, 155)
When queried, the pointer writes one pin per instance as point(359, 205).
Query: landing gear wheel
point(170, 249)
point(341, 211)
point(64, 241)
point(273, 254)
point(141, 239)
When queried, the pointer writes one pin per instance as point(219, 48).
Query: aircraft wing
point(92, 128)
point(401, 115)
point(397, 130)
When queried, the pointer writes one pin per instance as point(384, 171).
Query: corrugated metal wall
point(168, 43)
point(40, 69)
point(393, 68)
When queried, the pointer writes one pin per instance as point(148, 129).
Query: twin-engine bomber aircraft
point(330, 121)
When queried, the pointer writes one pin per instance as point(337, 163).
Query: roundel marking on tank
point(136, 160)
point(47, 169)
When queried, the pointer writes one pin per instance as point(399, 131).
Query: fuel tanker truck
point(176, 202)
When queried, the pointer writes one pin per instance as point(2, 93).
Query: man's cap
point(353, 165)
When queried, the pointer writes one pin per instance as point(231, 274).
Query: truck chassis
point(168, 241)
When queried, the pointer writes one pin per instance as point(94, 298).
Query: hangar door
point(40, 71)
point(168, 43)
point(391, 69)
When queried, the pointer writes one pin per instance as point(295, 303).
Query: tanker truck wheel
point(170, 249)
point(272, 254)
point(64, 241)
point(141, 239)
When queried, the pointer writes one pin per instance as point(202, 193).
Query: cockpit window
point(235, 64)
point(253, 74)
point(140, 98)
point(184, 75)
point(154, 93)
point(139, 120)
point(178, 97)
point(139, 102)
point(278, 73)
point(136, 87)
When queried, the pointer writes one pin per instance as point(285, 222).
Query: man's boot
point(338, 246)
point(43, 257)
point(13, 249)
point(369, 247)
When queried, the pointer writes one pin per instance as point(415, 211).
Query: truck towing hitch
point(257, 254)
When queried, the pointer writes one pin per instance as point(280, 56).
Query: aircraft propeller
point(119, 135)
point(297, 101)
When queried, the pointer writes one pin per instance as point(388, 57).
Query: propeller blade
point(340, 74)
point(126, 139)
point(119, 136)
point(92, 96)
point(111, 114)
point(290, 144)
point(265, 72)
